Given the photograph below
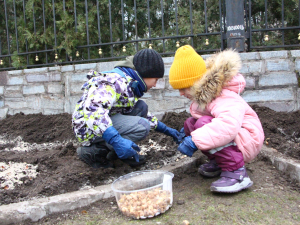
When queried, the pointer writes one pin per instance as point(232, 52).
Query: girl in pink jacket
point(223, 126)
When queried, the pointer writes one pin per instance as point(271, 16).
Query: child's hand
point(161, 127)
point(187, 146)
point(181, 135)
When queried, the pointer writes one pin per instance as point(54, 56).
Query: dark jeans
point(229, 158)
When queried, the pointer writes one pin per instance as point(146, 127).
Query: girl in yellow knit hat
point(223, 126)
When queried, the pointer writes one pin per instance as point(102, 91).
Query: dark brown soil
point(282, 130)
point(61, 171)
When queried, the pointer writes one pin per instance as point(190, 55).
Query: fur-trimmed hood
point(221, 68)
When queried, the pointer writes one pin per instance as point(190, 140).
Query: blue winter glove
point(187, 146)
point(124, 148)
point(181, 135)
point(163, 128)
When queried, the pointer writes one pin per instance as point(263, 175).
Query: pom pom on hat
point(149, 63)
point(188, 66)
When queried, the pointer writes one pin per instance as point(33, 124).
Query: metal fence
point(47, 33)
point(275, 26)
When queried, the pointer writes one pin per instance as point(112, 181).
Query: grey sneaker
point(231, 182)
point(210, 169)
point(94, 155)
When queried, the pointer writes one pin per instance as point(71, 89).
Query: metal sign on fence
point(235, 32)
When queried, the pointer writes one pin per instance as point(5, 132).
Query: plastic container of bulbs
point(144, 194)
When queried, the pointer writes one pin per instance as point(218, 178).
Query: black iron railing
point(273, 24)
point(36, 33)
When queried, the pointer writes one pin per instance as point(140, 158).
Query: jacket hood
point(128, 62)
point(221, 68)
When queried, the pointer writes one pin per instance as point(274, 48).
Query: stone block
point(147, 95)
point(3, 113)
point(283, 94)
point(67, 68)
point(33, 102)
point(274, 54)
point(13, 92)
point(160, 84)
point(75, 88)
point(78, 77)
point(249, 56)
point(26, 111)
point(1, 103)
point(15, 72)
point(297, 65)
point(15, 80)
point(280, 106)
point(252, 67)
point(15, 103)
point(206, 56)
point(70, 103)
point(30, 90)
point(250, 82)
point(54, 68)
point(168, 86)
point(174, 93)
point(278, 65)
point(105, 66)
point(89, 66)
point(153, 94)
point(52, 111)
point(276, 79)
point(165, 104)
point(1, 90)
point(47, 77)
point(36, 70)
point(3, 78)
point(54, 88)
point(56, 103)
point(295, 53)
point(167, 70)
point(298, 99)
point(168, 60)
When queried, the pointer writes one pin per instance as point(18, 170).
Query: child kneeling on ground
point(223, 126)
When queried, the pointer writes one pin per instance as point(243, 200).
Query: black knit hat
point(149, 63)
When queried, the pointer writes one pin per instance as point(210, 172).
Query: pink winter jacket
point(217, 95)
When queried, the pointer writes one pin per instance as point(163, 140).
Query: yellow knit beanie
point(188, 66)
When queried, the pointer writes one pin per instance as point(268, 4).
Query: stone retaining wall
point(272, 81)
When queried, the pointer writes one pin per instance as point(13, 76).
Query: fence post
point(235, 33)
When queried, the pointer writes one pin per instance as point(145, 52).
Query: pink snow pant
point(229, 158)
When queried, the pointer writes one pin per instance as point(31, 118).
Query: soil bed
point(46, 145)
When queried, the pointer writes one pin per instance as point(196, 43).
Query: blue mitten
point(181, 135)
point(187, 146)
point(163, 128)
point(124, 148)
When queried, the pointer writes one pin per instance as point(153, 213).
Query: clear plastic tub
point(144, 194)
